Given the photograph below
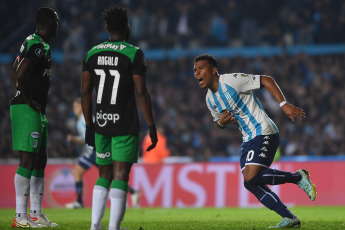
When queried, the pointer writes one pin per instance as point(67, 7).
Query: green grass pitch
point(331, 218)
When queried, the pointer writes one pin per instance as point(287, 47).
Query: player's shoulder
point(120, 47)
point(33, 40)
point(233, 77)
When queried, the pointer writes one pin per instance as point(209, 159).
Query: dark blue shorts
point(259, 151)
point(87, 158)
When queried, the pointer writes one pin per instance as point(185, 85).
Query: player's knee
point(252, 182)
point(248, 185)
point(106, 171)
point(256, 181)
point(121, 175)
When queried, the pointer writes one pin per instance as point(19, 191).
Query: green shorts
point(119, 148)
point(29, 129)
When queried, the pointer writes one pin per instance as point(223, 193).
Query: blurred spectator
point(179, 104)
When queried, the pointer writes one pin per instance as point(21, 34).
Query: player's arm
point(86, 97)
point(86, 104)
point(290, 111)
point(21, 75)
point(144, 102)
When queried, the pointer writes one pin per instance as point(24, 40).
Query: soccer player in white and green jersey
point(231, 100)
point(29, 124)
point(117, 72)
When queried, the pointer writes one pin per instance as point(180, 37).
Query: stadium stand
point(171, 32)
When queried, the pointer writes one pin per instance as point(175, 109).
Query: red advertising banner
point(188, 185)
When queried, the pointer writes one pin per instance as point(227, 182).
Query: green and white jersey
point(38, 52)
point(112, 65)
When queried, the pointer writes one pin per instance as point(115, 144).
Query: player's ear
point(215, 70)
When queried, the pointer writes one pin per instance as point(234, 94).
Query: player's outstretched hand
point(153, 136)
point(90, 136)
point(293, 112)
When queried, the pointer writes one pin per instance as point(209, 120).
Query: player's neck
point(43, 35)
point(117, 37)
point(215, 84)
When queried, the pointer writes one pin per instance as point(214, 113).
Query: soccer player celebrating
point(116, 69)
point(231, 100)
point(29, 124)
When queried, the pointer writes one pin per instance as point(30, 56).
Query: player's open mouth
point(200, 80)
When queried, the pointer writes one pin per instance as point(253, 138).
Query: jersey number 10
point(102, 75)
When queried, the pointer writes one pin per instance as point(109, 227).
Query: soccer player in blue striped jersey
point(231, 100)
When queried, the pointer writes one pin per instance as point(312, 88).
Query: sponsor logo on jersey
point(107, 60)
point(103, 118)
point(266, 143)
point(39, 52)
point(266, 137)
point(103, 155)
point(111, 46)
point(35, 134)
point(227, 95)
point(263, 155)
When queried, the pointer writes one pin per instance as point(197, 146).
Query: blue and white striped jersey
point(81, 128)
point(235, 94)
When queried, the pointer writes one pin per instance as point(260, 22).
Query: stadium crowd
point(314, 83)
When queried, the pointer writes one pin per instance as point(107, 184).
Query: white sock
point(36, 195)
point(118, 200)
point(22, 187)
point(99, 202)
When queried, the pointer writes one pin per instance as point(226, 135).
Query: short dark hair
point(212, 60)
point(116, 18)
point(45, 15)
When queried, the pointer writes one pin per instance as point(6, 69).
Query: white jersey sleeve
point(242, 82)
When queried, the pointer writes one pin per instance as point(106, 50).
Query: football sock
point(118, 198)
point(22, 187)
point(99, 201)
point(268, 198)
point(274, 177)
point(36, 192)
point(79, 190)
